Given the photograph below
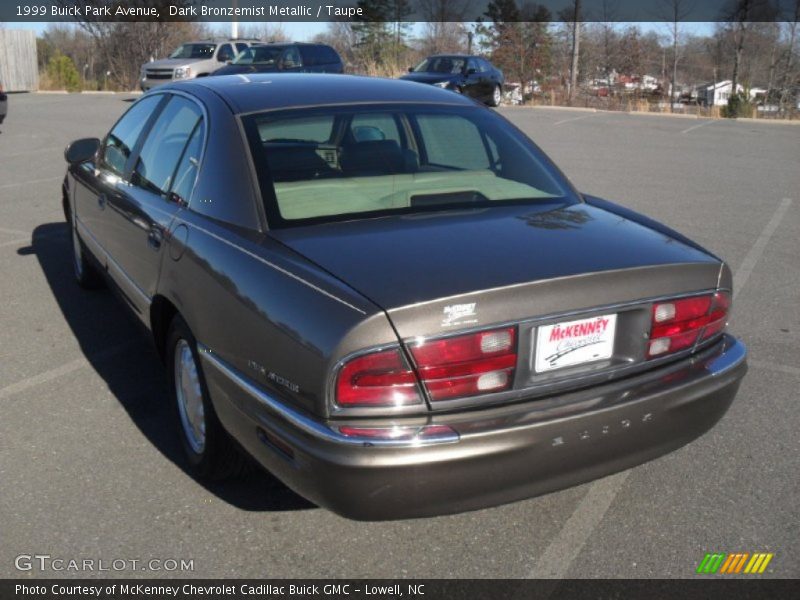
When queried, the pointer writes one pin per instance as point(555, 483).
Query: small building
point(717, 94)
point(19, 70)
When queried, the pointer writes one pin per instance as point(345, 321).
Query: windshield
point(441, 64)
point(326, 164)
point(194, 51)
point(259, 55)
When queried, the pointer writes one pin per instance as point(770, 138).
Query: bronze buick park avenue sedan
point(391, 298)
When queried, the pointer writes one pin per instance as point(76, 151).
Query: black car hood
point(244, 69)
point(430, 77)
point(403, 260)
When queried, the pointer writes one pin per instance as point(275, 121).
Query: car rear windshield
point(194, 51)
point(326, 164)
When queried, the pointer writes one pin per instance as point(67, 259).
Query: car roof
point(221, 41)
point(246, 93)
point(454, 56)
point(277, 43)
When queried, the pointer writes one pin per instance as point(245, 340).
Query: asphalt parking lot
point(90, 468)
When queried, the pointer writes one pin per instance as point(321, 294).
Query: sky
point(302, 31)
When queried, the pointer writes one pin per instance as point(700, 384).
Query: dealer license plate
point(574, 342)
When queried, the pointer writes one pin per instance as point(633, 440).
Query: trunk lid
point(513, 263)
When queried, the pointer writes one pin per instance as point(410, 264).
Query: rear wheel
point(497, 96)
point(209, 449)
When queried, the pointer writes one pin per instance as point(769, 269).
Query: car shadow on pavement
point(118, 349)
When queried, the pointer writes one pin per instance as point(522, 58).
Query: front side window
point(120, 142)
point(327, 164)
point(441, 64)
point(164, 145)
point(200, 50)
point(225, 53)
point(291, 58)
point(260, 55)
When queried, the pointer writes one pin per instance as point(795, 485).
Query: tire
point(497, 96)
point(209, 449)
point(83, 267)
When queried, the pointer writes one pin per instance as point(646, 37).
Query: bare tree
point(677, 11)
point(444, 29)
point(786, 78)
point(126, 45)
point(576, 49)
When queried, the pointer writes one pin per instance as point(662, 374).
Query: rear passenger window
point(452, 141)
point(119, 144)
point(189, 165)
point(328, 55)
point(165, 144)
point(310, 56)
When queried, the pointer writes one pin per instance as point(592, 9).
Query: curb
point(770, 121)
point(666, 114)
point(566, 108)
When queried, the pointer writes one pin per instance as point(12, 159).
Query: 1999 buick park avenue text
point(391, 298)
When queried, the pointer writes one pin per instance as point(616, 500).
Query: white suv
point(190, 60)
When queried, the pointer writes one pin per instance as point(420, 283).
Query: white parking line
point(14, 231)
point(693, 127)
point(757, 249)
point(29, 182)
point(26, 240)
point(574, 119)
point(565, 547)
point(65, 369)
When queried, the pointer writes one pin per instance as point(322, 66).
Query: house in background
point(717, 94)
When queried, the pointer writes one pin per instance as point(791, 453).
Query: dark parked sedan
point(285, 58)
point(391, 298)
point(469, 75)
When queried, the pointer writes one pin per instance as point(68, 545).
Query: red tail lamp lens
point(379, 379)
point(678, 324)
point(467, 365)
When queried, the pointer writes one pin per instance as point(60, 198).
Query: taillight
point(455, 367)
point(381, 378)
point(467, 365)
point(678, 324)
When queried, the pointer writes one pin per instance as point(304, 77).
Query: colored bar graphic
point(758, 564)
point(730, 564)
point(711, 563)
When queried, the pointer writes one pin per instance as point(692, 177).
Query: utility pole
point(576, 43)
point(234, 23)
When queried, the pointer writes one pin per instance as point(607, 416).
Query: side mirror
point(410, 69)
point(81, 150)
point(472, 71)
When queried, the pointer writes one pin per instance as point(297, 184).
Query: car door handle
point(101, 201)
point(154, 238)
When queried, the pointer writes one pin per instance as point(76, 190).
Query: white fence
point(19, 70)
